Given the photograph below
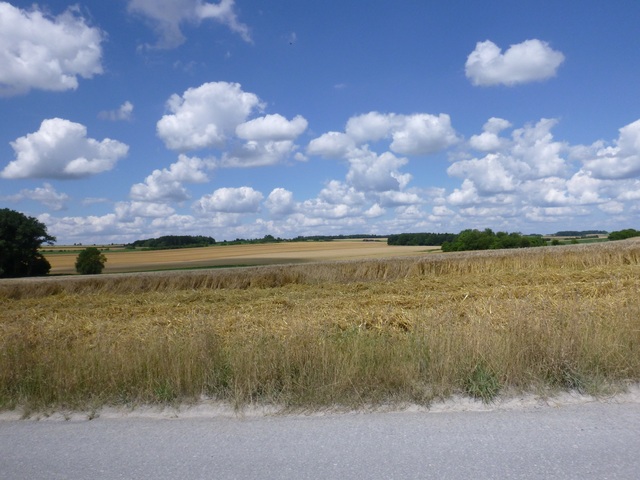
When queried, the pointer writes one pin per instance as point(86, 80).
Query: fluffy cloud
point(60, 149)
point(331, 145)
point(215, 115)
point(489, 175)
point(280, 202)
point(529, 61)
point(258, 154)
point(489, 140)
point(530, 177)
point(533, 145)
point(46, 195)
point(622, 160)
point(336, 192)
point(319, 209)
point(40, 52)
point(378, 176)
point(375, 211)
point(372, 126)
point(205, 116)
point(423, 134)
point(166, 185)
point(123, 113)
point(272, 127)
point(128, 211)
point(98, 229)
point(530, 154)
point(394, 198)
point(372, 172)
point(166, 16)
point(230, 200)
point(418, 134)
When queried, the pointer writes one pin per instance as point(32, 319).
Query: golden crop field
point(122, 260)
point(315, 335)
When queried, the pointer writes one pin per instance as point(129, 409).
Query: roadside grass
point(341, 334)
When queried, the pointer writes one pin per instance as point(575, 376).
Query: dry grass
point(343, 333)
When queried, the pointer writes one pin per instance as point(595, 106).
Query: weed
point(482, 383)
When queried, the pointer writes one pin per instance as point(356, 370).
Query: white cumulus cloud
point(230, 200)
point(123, 113)
point(46, 53)
point(166, 17)
point(272, 127)
point(128, 211)
point(489, 140)
point(529, 61)
point(46, 195)
point(488, 174)
point(371, 172)
point(166, 185)
point(423, 134)
point(620, 161)
point(258, 154)
point(60, 149)
point(332, 145)
point(280, 202)
point(205, 116)
point(417, 134)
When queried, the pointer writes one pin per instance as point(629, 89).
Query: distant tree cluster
point(422, 239)
point(622, 234)
point(579, 233)
point(20, 240)
point(488, 240)
point(329, 238)
point(173, 241)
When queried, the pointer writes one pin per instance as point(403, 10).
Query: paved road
point(571, 442)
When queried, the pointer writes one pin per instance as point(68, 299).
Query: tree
point(90, 261)
point(20, 240)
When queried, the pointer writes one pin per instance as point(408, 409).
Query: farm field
point(354, 333)
point(121, 260)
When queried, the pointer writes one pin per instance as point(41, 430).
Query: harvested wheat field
point(235, 255)
point(346, 333)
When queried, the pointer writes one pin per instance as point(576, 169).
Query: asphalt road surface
point(593, 440)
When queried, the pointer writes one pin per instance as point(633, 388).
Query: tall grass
point(344, 333)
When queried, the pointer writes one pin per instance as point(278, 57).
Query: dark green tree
point(90, 261)
point(20, 240)
point(624, 234)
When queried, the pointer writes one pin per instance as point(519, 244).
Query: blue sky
point(132, 119)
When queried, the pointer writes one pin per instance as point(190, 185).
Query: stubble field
point(337, 333)
point(120, 260)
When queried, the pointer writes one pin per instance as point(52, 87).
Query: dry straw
point(353, 333)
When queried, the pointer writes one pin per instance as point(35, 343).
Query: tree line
point(623, 234)
point(578, 233)
point(421, 239)
point(172, 241)
point(473, 239)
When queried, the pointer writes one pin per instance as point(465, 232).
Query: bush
point(90, 261)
